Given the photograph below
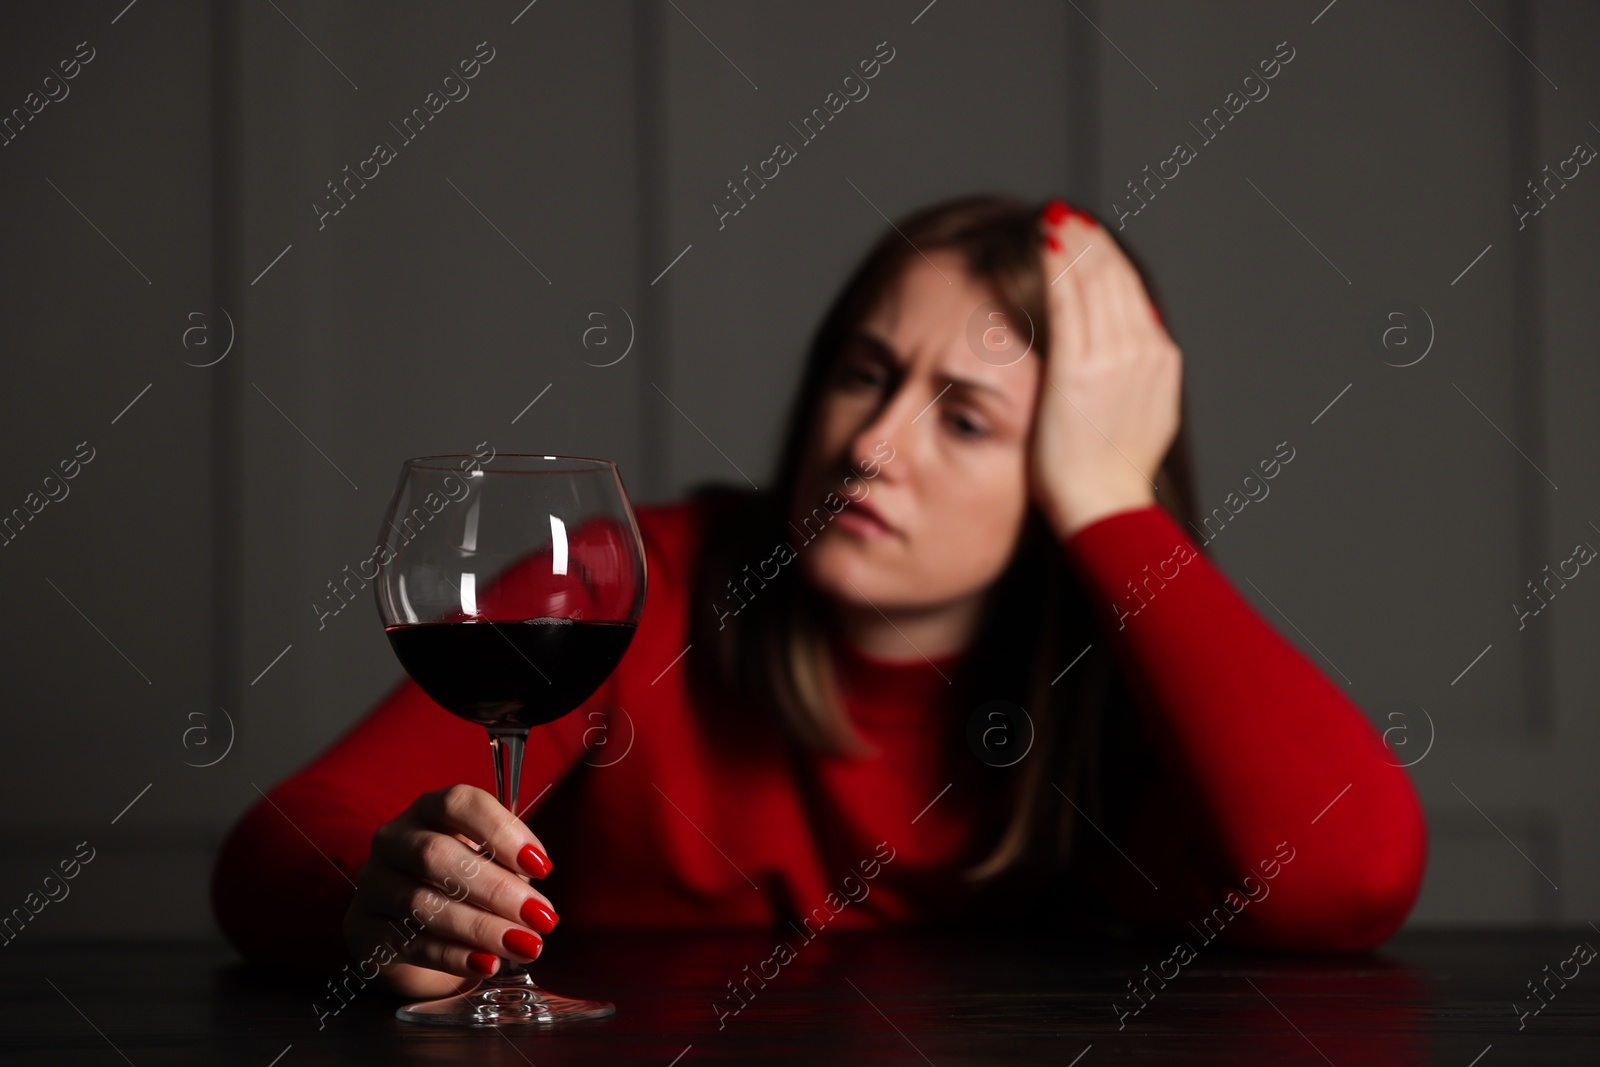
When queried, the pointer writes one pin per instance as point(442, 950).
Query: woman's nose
point(890, 425)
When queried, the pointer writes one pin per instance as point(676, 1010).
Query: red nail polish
point(534, 862)
point(523, 943)
point(483, 962)
point(536, 914)
point(1052, 242)
point(1084, 215)
point(1056, 211)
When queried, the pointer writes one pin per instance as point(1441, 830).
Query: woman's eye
point(965, 427)
point(860, 374)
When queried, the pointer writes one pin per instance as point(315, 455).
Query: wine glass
point(509, 588)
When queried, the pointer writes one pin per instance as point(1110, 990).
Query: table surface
point(915, 997)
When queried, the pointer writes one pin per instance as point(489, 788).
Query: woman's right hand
point(446, 909)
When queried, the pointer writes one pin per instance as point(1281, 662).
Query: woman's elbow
point(234, 889)
point(1377, 896)
point(242, 886)
point(1388, 886)
point(269, 899)
point(1352, 903)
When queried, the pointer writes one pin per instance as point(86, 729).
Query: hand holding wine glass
point(509, 589)
point(478, 907)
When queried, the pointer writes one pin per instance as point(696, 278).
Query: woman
point(961, 664)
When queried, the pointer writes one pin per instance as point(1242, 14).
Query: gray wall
point(452, 291)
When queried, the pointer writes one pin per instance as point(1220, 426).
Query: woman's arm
point(286, 873)
point(1300, 808)
point(1269, 773)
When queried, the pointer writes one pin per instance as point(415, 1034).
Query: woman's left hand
point(1109, 390)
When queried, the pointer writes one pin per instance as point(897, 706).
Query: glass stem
point(506, 744)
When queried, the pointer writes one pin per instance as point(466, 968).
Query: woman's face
point(924, 447)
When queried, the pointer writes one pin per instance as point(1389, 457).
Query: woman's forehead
point(939, 316)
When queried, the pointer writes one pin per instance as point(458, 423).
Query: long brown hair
point(774, 658)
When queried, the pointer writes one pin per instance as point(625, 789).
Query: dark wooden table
point(925, 997)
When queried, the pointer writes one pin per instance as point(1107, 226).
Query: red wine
point(510, 673)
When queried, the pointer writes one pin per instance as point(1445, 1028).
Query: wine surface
point(510, 673)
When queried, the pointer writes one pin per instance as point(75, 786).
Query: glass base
point(509, 1001)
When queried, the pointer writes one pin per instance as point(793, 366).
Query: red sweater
point(1270, 783)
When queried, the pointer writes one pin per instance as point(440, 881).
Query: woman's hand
point(446, 909)
point(1109, 391)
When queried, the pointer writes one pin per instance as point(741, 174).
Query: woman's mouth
point(863, 520)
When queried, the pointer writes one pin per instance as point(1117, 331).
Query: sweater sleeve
point(1276, 807)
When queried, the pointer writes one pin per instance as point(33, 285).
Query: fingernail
point(523, 943)
point(537, 914)
point(1052, 242)
point(484, 963)
point(533, 861)
point(1056, 211)
point(1088, 220)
